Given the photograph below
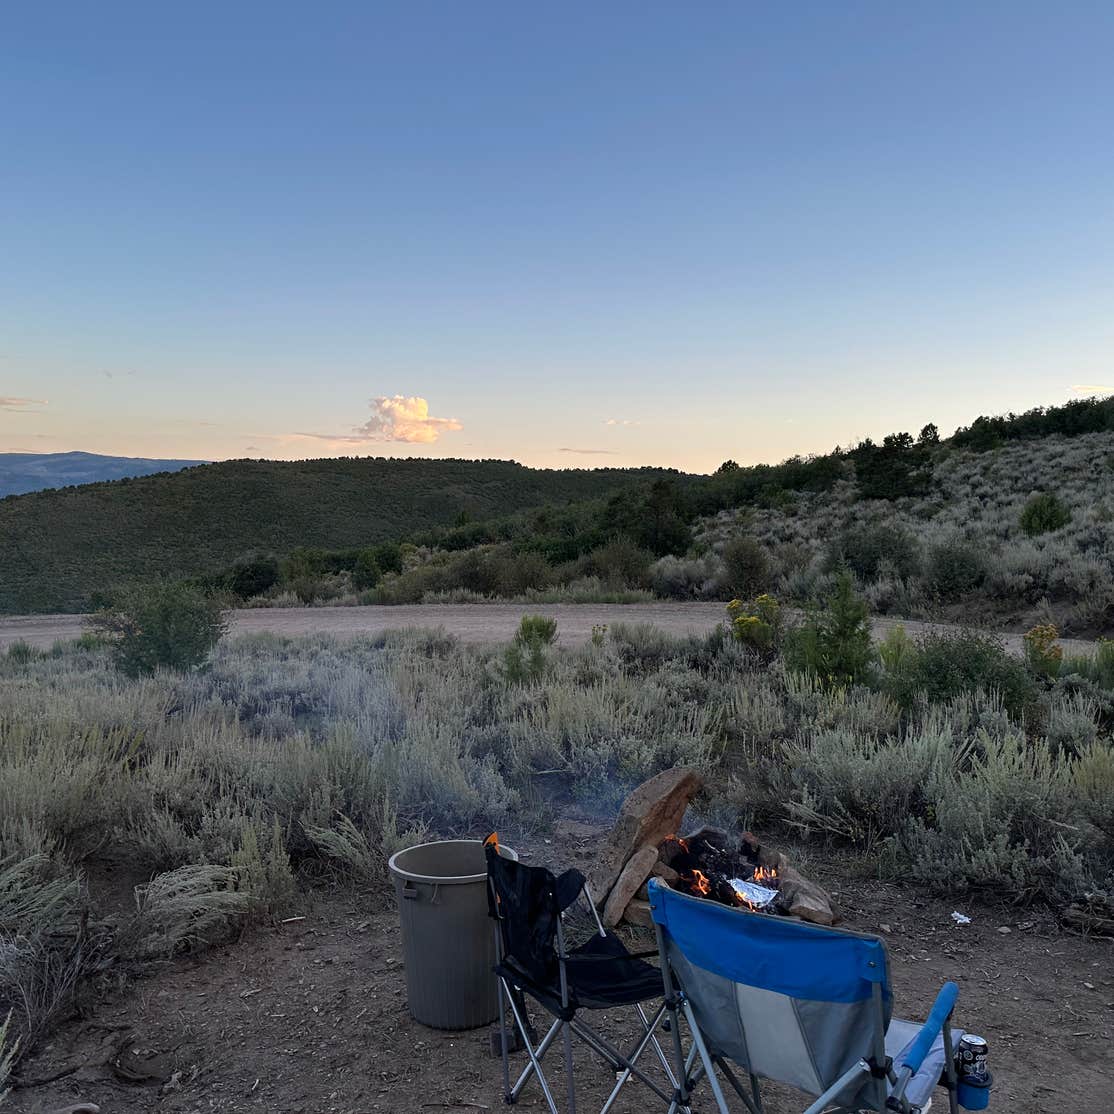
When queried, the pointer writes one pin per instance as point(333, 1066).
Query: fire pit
point(706, 866)
point(737, 871)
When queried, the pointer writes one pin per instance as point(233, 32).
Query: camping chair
point(533, 958)
point(796, 1003)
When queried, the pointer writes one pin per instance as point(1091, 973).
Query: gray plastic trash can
point(447, 940)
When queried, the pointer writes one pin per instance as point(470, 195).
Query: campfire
point(735, 870)
point(705, 867)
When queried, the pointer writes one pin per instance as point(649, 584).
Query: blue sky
point(728, 230)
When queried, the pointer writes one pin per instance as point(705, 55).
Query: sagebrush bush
point(949, 664)
point(746, 569)
point(862, 789)
point(686, 578)
point(1044, 513)
point(621, 563)
point(865, 550)
point(162, 625)
point(955, 568)
point(1093, 777)
point(187, 908)
point(9, 1047)
point(1006, 822)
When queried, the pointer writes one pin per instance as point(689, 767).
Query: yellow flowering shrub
point(1043, 653)
point(756, 623)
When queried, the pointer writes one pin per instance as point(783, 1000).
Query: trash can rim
point(443, 879)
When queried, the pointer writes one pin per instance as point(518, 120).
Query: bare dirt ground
point(310, 1017)
point(491, 622)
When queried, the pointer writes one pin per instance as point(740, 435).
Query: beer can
point(973, 1051)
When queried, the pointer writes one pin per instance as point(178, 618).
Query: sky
point(575, 235)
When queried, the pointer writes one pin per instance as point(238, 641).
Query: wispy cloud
point(9, 402)
point(621, 422)
point(399, 418)
point(1092, 389)
point(118, 374)
point(590, 452)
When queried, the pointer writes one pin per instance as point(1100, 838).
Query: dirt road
point(491, 622)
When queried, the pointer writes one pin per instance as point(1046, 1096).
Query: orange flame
point(677, 840)
point(701, 883)
point(493, 841)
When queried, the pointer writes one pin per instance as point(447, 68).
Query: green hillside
point(57, 548)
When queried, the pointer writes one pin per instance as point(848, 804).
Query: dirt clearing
point(310, 1018)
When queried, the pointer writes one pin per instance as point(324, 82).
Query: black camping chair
point(533, 958)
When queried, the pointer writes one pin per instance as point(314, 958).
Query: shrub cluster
point(163, 625)
point(1044, 513)
point(283, 762)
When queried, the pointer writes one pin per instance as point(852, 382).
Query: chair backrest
point(523, 900)
point(789, 1001)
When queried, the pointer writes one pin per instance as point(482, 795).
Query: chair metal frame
point(567, 1025)
point(886, 1083)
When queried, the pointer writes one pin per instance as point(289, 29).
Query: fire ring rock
point(651, 812)
point(629, 882)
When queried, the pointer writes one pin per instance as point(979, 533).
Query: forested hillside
point(59, 548)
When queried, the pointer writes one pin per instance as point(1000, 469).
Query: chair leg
point(570, 1079)
point(625, 1065)
point(534, 1067)
point(756, 1090)
point(706, 1060)
point(684, 1063)
point(755, 1107)
point(504, 1040)
point(650, 1028)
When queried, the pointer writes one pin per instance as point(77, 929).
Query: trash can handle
point(410, 891)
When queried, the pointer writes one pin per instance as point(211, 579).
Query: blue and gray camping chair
point(796, 1003)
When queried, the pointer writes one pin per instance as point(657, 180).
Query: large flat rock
point(652, 811)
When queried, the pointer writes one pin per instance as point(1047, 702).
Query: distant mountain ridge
point(21, 473)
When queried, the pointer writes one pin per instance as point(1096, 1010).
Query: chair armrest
point(931, 1029)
